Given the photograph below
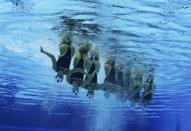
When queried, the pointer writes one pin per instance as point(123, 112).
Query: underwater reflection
point(126, 84)
point(81, 28)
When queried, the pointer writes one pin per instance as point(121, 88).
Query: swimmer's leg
point(107, 92)
point(63, 49)
point(75, 88)
point(51, 56)
point(90, 92)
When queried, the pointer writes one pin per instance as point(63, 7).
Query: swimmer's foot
point(59, 78)
point(90, 94)
point(75, 90)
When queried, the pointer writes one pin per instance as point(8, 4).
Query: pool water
point(149, 34)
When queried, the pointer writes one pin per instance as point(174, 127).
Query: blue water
point(148, 33)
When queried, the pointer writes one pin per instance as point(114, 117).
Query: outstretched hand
point(41, 49)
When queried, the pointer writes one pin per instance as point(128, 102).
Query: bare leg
point(75, 88)
point(51, 56)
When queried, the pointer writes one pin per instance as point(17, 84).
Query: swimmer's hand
point(41, 49)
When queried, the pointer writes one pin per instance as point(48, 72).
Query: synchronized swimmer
point(86, 65)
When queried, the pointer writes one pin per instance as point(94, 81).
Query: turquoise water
point(147, 33)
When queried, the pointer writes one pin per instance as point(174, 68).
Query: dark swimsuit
point(64, 61)
point(137, 94)
point(120, 79)
point(91, 71)
point(78, 76)
point(111, 77)
point(149, 95)
point(128, 81)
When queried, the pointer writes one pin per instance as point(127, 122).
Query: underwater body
point(149, 35)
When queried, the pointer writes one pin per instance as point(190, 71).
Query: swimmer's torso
point(91, 71)
point(78, 76)
point(80, 64)
point(120, 78)
point(148, 89)
point(64, 60)
point(111, 76)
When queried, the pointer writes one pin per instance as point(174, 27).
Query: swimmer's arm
point(139, 74)
point(76, 59)
point(145, 87)
point(72, 50)
point(51, 56)
point(63, 49)
point(116, 72)
point(86, 61)
point(97, 64)
point(107, 69)
point(88, 65)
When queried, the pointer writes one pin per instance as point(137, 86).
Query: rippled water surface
point(148, 33)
